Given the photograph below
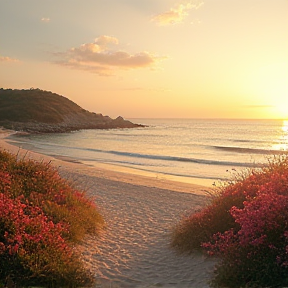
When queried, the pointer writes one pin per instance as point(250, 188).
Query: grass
point(246, 226)
point(42, 218)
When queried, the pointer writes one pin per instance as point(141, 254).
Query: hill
point(35, 110)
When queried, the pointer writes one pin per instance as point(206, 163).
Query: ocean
point(203, 151)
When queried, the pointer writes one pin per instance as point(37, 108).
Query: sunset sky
point(151, 58)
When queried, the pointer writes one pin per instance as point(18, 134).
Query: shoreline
point(103, 170)
point(140, 212)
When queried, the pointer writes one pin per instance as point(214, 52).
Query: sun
point(281, 110)
point(278, 94)
point(280, 104)
point(272, 87)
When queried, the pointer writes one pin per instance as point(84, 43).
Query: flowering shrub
point(40, 219)
point(199, 227)
point(41, 185)
point(253, 247)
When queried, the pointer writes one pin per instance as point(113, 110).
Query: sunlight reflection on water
point(283, 145)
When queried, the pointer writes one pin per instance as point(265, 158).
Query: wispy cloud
point(8, 59)
point(176, 14)
point(45, 19)
point(102, 58)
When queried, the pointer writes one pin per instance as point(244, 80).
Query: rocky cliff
point(39, 111)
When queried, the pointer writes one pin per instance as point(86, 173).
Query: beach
point(134, 248)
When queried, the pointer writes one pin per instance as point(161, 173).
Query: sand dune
point(133, 250)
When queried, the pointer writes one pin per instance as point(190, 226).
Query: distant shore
point(139, 212)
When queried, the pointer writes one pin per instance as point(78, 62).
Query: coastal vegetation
point(245, 226)
point(42, 219)
point(38, 111)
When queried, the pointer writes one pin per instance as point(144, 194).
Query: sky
point(151, 58)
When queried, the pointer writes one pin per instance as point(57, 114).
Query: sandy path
point(135, 246)
point(133, 250)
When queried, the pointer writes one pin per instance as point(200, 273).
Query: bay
point(202, 151)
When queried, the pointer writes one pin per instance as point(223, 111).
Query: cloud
point(177, 14)
point(8, 59)
point(46, 20)
point(100, 57)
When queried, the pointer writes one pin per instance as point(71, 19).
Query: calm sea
point(187, 150)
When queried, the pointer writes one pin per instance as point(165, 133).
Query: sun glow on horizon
point(282, 110)
point(280, 102)
point(270, 83)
